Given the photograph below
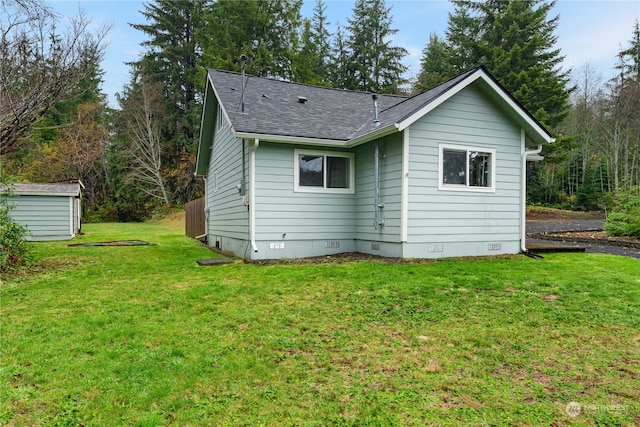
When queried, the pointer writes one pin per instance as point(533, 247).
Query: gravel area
point(536, 230)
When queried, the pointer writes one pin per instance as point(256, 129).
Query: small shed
point(50, 211)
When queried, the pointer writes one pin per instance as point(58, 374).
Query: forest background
point(56, 124)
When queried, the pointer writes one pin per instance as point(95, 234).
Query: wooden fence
point(194, 218)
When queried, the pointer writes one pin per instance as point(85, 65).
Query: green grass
point(142, 336)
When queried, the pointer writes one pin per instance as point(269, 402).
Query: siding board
point(300, 215)
point(441, 216)
point(45, 217)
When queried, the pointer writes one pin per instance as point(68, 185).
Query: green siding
point(46, 217)
point(228, 219)
point(298, 216)
point(390, 165)
point(463, 223)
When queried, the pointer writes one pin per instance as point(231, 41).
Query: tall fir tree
point(435, 65)
point(374, 64)
point(321, 39)
point(631, 56)
point(267, 32)
point(307, 65)
point(312, 65)
point(515, 40)
point(339, 62)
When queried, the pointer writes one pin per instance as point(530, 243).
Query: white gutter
point(286, 139)
point(523, 190)
point(338, 143)
point(252, 193)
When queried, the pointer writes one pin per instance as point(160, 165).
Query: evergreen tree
point(41, 67)
point(306, 67)
point(265, 31)
point(375, 65)
point(515, 40)
point(321, 38)
point(173, 61)
point(312, 63)
point(435, 64)
point(340, 70)
point(631, 55)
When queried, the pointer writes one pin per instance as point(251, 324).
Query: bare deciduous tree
point(142, 113)
point(40, 67)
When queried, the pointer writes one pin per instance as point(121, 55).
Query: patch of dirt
point(343, 258)
point(536, 213)
point(351, 257)
point(41, 266)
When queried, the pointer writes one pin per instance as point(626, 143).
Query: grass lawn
point(142, 336)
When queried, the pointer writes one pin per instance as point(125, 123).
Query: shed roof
point(45, 189)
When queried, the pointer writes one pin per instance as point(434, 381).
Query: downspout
point(523, 192)
point(378, 222)
point(252, 194)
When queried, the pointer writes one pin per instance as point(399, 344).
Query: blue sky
point(589, 30)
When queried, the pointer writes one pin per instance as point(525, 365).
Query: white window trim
point(302, 189)
point(464, 187)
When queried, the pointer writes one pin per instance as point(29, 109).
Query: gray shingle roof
point(407, 107)
point(272, 107)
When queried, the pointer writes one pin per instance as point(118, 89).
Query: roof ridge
point(457, 77)
point(273, 79)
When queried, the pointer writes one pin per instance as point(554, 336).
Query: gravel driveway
point(537, 228)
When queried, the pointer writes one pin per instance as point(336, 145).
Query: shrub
point(14, 248)
point(625, 218)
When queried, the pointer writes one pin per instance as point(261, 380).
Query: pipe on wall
point(378, 221)
point(252, 193)
point(523, 191)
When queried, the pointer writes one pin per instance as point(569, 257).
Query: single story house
point(294, 170)
point(49, 211)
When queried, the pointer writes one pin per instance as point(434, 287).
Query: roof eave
point(534, 128)
point(291, 139)
point(336, 143)
point(374, 134)
point(204, 150)
point(44, 193)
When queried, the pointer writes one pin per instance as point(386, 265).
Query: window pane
point(337, 172)
point(479, 169)
point(454, 167)
point(311, 170)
